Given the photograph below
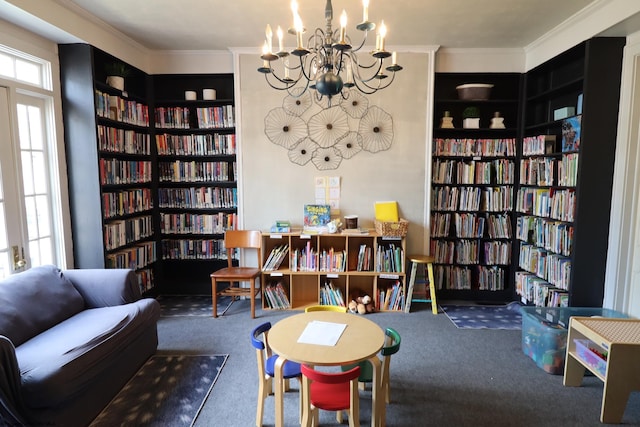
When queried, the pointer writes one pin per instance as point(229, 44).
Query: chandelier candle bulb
point(393, 59)
point(269, 35)
point(343, 26)
point(383, 32)
point(365, 10)
point(279, 33)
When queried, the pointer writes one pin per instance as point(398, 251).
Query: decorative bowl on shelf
point(474, 91)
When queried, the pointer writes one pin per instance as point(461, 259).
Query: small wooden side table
point(620, 338)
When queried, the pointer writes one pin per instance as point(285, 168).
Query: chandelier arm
point(266, 77)
point(363, 80)
point(287, 83)
point(371, 89)
point(364, 40)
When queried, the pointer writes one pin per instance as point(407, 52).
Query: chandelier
point(328, 62)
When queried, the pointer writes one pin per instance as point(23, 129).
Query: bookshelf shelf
point(301, 276)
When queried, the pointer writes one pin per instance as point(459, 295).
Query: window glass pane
point(32, 218)
point(4, 265)
point(3, 229)
point(28, 71)
point(34, 253)
point(46, 254)
point(35, 128)
point(39, 173)
point(6, 66)
point(23, 127)
point(42, 208)
point(27, 174)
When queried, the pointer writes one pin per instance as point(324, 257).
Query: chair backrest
point(335, 308)
point(242, 239)
point(255, 335)
point(263, 352)
point(330, 377)
point(392, 342)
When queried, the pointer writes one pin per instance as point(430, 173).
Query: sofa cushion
point(65, 360)
point(35, 300)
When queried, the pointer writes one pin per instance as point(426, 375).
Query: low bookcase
point(332, 269)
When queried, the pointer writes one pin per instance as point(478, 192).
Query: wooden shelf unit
point(302, 288)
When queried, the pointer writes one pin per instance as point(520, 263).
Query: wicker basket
point(392, 229)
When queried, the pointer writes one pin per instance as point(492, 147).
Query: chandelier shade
point(328, 64)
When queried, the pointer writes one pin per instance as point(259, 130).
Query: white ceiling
point(218, 25)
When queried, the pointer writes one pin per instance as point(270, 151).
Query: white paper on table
point(322, 333)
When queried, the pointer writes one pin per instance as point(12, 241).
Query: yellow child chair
point(336, 308)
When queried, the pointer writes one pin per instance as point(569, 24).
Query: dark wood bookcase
point(473, 264)
point(586, 79)
point(189, 185)
point(110, 182)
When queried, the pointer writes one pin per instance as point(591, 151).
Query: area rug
point(190, 305)
point(484, 316)
point(166, 391)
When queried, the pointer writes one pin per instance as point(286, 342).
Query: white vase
point(471, 123)
point(116, 82)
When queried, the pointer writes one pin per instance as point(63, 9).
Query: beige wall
point(274, 188)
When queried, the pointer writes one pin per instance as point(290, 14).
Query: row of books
point(555, 236)
point(554, 268)
point(115, 171)
point(126, 202)
point(498, 171)
point(276, 297)
point(540, 292)
point(192, 171)
point(392, 298)
point(216, 117)
point(304, 259)
point(198, 198)
point(123, 141)
point(277, 255)
point(491, 278)
point(120, 109)
point(538, 145)
point(489, 199)
point(365, 254)
point(469, 277)
point(145, 279)
point(193, 249)
point(469, 225)
point(196, 145)
point(537, 171)
point(468, 147)
point(332, 260)
point(467, 252)
point(136, 257)
point(189, 223)
point(172, 117)
point(331, 295)
point(123, 232)
point(390, 258)
point(555, 204)
point(497, 252)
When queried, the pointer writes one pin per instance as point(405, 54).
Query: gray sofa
point(69, 341)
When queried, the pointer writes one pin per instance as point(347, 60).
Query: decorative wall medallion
point(311, 130)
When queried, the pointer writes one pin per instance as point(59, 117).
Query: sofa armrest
point(105, 287)
point(11, 404)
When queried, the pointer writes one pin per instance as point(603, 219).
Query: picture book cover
point(571, 134)
point(386, 211)
point(317, 215)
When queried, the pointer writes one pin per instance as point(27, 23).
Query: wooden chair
point(391, 346)
point(266, 371)
point(336, 308)
point(330, 392)
point(244, 240)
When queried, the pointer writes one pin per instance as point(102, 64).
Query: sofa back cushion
point(34, 301)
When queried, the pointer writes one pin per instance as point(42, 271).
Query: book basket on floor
point(392, 229)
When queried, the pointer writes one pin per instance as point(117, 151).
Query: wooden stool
point(415, 261)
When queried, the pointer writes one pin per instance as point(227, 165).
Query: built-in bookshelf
point(196, 174)
point(565, 175)
point(473, 188)
point(309, 269)
point(110, 162)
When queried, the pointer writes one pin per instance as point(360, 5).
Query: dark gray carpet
point(485, 316)
point(442, 376)
point(169, 390)
point(190, 305)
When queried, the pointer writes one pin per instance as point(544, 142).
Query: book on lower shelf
point(276, 297)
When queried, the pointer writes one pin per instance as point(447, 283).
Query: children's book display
point(316, 218)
